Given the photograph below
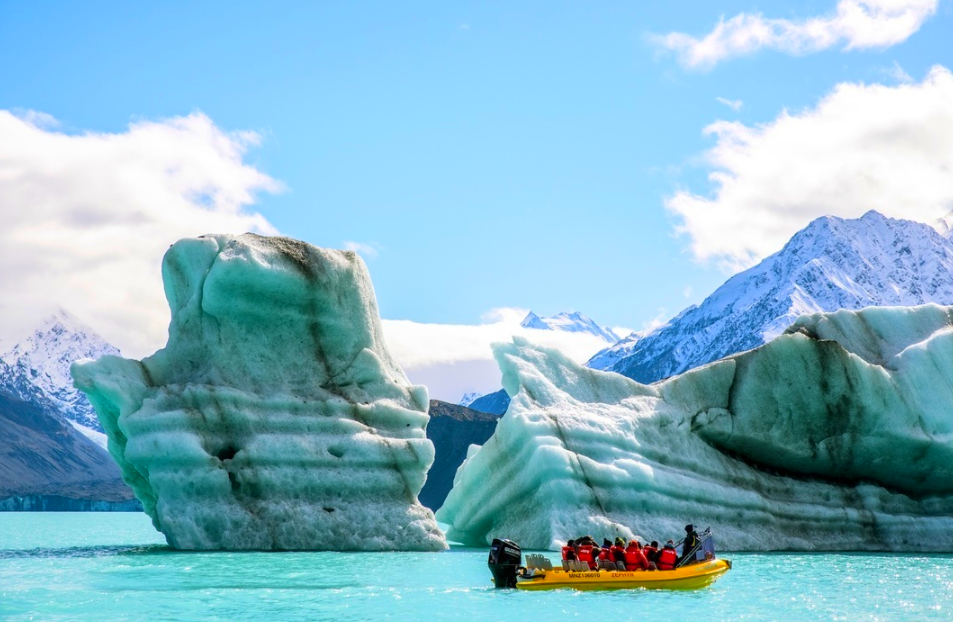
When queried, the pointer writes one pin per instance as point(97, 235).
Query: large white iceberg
point(274, 418)
point(837, 435)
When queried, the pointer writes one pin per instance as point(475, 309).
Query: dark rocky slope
point(45, 464)
point(452, 429)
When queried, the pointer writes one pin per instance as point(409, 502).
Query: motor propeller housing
point(505, 559)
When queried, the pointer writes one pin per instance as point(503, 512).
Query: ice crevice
point(837, 435)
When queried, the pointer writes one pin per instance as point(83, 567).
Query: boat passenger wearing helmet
point(634, 558)
point(667, 557)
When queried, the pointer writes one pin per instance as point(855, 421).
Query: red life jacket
point(596, 553)
point(667, 558)
point(585, 555)
point(604, 555)
point(616, 553)
point(649, 552)
point(635, 559)
point(568, 553)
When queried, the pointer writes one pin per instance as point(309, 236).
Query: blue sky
point(494, 154)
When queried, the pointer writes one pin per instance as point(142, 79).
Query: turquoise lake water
point(102, 566)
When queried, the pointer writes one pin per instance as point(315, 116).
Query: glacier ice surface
point(274, 418)
point(837, 435)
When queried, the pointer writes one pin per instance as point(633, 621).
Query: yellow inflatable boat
point(697, 570)
point(691, 577)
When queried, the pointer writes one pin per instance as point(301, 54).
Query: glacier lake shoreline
point(115, 566)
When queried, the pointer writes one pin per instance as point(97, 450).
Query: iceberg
point(837, 435)
point(274, 418)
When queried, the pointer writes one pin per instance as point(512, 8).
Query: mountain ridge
point(39, 364)
point(831, 264)
point(570, 322)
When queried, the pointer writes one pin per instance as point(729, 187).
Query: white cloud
point(453, 359)
point(623, 331)
point(857, 24)
point(87, 217)
point(659, 320)
point(369, 251)
point(888, 148)
point(734, 104)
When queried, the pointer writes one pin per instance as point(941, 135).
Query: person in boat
point(596, 556)
point(667, 558)
point(569, 551)
point(587, 550)
point(618, 550)
point(605, 554)
point(690, 544)
point(634, 557)
point(651, 551)
point(587, 553)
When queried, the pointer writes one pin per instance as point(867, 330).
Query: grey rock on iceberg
point(274, 418)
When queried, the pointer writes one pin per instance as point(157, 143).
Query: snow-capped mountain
point(570, 323)
point(46, 463)
point(39, 365)
point(469, 398)
point(609, 357)
point(494, 403)
point(831, 264)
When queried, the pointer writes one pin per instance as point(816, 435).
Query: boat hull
point(691, 577)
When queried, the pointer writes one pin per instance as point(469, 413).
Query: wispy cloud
point(368, 251)
point(863, 147)
point(87, 217)
point(38, 119)
point(734, 104)
point(897, 73)
point(855, 24)
point(659, 320)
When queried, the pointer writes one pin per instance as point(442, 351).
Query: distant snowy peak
point(831, 264)
point(469, 398)
point(570, 323)
point(42, 361)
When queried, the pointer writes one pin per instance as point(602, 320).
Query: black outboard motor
point(505, 559)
